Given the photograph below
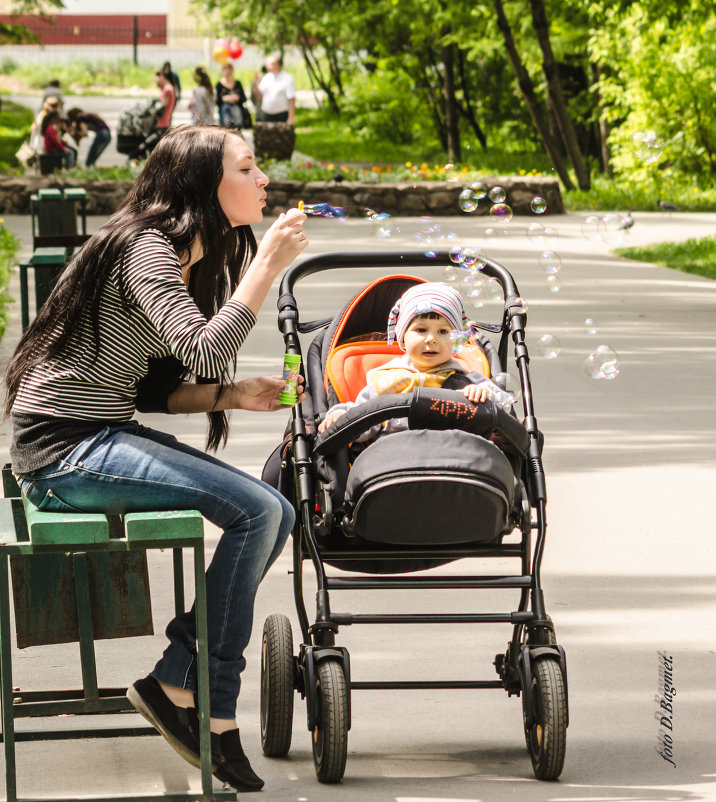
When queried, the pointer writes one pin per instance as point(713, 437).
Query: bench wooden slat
point(171, 525)
point(8, 535)
point(64, 528)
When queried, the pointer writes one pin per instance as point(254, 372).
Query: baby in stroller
point(421, 322)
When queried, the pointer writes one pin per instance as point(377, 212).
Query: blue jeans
point(130, 468)
point(231, 116)
point(98, 146)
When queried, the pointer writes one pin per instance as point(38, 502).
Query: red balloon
point(234, 49)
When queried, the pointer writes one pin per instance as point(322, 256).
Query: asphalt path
point(628, 569)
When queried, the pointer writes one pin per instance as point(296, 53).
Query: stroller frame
point(533, 665)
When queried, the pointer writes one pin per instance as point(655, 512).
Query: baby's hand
point(477, 393)
point(331, 418)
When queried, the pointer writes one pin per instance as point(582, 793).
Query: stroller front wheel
point(546, 735)
point(330, 732)
point(277, 686)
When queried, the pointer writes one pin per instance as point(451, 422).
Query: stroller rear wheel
point(330, 733)
point(546, 736)
point(277, 686)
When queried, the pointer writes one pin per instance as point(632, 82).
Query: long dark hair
point(176, 193)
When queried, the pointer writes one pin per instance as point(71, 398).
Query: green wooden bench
point(62, 549)
point(54, 215)
point(46, 263)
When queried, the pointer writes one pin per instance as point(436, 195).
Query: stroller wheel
point(547, 735)
point(277, 686)
point(330, 734)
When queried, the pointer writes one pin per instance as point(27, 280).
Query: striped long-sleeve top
point(159, 319)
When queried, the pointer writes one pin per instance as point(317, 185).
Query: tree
point(528, 93)
point(14, 32)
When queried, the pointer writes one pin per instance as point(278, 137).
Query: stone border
point(433, 198)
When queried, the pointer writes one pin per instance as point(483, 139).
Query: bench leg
point(202, 670)
point(88, 660)
point(8, 718)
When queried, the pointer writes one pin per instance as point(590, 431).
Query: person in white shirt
point(276, 92)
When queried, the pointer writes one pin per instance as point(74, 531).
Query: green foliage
point(659, 74)
point(638, 192)
point(15, 122)
point(385, 105)
point(9, 246)
point(85, 76)
point(14, 33)
point(696, 256)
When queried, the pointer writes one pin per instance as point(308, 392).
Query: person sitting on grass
point(420, 322)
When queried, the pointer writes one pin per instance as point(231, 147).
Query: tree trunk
point(316, 78)
point(467, 110)
point(605, 155)
point(451, 119)
point(554, 87)
point(528, 93)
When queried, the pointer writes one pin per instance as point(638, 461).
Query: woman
point(231, 100)
point(201, 104)
point(81, 123)
point(169, 286)
point(50, 129)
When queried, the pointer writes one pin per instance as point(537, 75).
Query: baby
point(420, 322)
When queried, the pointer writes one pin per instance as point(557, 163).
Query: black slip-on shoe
point(178, 725)
point(232, 765)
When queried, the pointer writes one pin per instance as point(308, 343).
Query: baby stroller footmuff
point(422, 487)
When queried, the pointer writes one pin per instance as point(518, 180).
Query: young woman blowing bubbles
point(165, 291)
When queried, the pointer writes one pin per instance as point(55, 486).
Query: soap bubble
point(613, 228)
point(457, 255)
point(450, 273)
point(492, 291)
point(325, 210)
point(475, 259)
point(553, 283)
point(538, 205)
point(535, 231)
point(385, 230)
point(647, 146)
point(593, 228)
point(590, 325)
point(497, 195)
point(522, 303)
point(431, 254)
point(450, 172)
point(550, 262)
point(467, 200)
point(510, 384)
point(549, 346)
point(459, 340)
point(602, 363)
point(501, 212)
point(479, 189)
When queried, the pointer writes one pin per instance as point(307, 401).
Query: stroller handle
point(389, 259)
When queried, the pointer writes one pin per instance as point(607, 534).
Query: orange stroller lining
point(348, 364)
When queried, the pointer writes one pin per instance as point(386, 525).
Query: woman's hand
point(283, 241)
point(261, 393)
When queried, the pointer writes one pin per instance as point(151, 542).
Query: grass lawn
point(9, 246)
point(696, 256)
point(15, 122)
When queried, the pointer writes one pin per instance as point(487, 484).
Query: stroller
point(137, 129)
point(461, 480)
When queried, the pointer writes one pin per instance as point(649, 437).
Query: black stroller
point(456, 457)
point(137, 133)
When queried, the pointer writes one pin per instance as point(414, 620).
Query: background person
point(231, 100)
point(167, 289)
point(80, 124)
point(167, 98)
point(51, 130)
point(173, 78)
point(201, 104)
point(52, 90)
point(276, 91)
